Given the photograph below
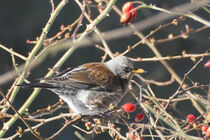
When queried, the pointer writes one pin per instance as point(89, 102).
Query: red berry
point(204, 128)
point(132, 136)
point(196, 126)
point(128, 17)
point(139, 117)
point(208, 132)
point(129, 107)
point(133, 16)
point(125, 18)
point(207, 64)
point(190, 118)
point(127, 7)
point(27, 41)
point(129, 14)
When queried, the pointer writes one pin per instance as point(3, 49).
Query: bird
point(91, 88)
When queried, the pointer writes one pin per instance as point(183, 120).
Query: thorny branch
point(160, 122)
point(182, 84)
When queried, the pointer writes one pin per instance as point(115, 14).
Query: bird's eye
point(126, 69)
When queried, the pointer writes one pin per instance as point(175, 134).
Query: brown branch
point(142, 41)
point(182, 84)
point(22, 119)
point(156, 82)
point(99, 35)
point(64, 126)
point(80, 21)
point(165, 130)
point(125, 31)
point(12, 52)
point(51, 40)
point(42, 122)
point(48, 110)
point(170, 57)
point(182, 35)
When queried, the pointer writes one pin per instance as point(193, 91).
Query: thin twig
point(142, 41)
point(126, 31)
point(61, 60)
point(156, 82)
point(182, 35)
point(22, 119)
point(80, 21)
point(13, 52)
point(53, 6)
point(63, 127)
point(42, 122)
point(179, 12)
point(181, 85)
point(171, 57)
point(29, 59)
point(107, 49)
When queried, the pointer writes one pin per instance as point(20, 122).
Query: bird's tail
point(36, 85)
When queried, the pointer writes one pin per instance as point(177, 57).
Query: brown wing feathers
point(101, 75)
point(90, 75)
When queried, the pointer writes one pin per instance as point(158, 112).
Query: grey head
point(121, 66)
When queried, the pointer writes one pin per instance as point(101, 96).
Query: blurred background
point(24, 19)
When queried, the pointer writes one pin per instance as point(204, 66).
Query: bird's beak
point(138, 71)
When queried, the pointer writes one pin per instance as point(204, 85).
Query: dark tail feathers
point(36, 85)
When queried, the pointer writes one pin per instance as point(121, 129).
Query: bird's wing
point(95, 76)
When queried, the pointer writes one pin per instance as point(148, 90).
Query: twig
point(63, 127)
point(126, 31)
point(80, 21)
point(11, 74)
point(182, 35)
point(166, 100)
point(14, 63)
point(45, 111)
point(156, 82)
point(30, 57)
point(42, 122)
point(170, 57)
point(59, 34)
point(107, 49)
point(182, 83)
point(62, 59)
point(141, 41)
point(165, 130)
point(53, 6)
point(82, 130)
point(111, 129)
point(156, 52)
point(22, 119)
point(179, 12)
point(146, 110)
point(13, 52)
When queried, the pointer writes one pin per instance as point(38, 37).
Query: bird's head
point(123, 67)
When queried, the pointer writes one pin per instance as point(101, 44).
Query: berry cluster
point(129, 107)
point(129, 13)
point(204, 128)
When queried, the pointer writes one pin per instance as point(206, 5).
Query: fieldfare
point(90, 88)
